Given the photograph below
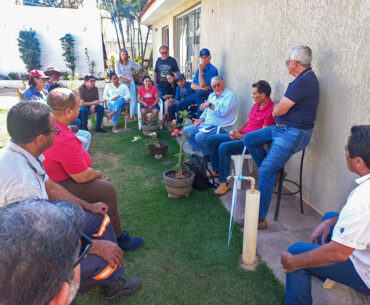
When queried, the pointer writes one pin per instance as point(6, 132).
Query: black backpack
point(199, 166)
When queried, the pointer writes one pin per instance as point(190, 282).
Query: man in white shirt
point(339, 247)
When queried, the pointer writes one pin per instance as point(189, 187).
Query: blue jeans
point(298, 283)
point(171, 110)
point(84, 115)
point(198, 139)
point(286, 141)
point(221, 148)
point(195, 98)
point(116, 106)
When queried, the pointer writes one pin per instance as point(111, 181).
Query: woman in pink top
point(223, 146)
point(148, 97)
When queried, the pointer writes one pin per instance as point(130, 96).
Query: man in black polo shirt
point(294, 116)
point(164, 65)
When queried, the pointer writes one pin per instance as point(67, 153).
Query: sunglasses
point(86, 244)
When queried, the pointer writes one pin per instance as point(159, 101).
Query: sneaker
point(129, 243)
point(118, 288)
point(214, 174)
point(222, 189)
point(101, 130)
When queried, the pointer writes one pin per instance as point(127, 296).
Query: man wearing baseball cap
point(201, 83)
point(182, 91)
point(37, 83)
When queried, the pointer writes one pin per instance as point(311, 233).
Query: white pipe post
point(252, 204)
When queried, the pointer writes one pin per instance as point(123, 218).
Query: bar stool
point(280, 188)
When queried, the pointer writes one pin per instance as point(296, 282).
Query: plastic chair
point(125, 113)
point(228, 125)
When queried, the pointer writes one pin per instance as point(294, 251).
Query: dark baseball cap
point(204, 52)
point(180, 76)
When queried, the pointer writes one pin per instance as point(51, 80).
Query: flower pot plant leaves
point(151, 140)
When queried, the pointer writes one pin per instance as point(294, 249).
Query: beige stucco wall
point(170, 21)
point(251, 39)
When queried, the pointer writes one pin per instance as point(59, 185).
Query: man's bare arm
point(56, 191)
point(87, 175)
point(282, 107)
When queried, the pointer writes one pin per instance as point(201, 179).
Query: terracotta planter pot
point(158, 152)
point(147, 129)
point(178, 188)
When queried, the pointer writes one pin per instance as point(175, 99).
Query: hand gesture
point(286, 262)
point(197, 122)
point(201, 67)
point(98, 208)
point(203, 106)
point(74, 128)
point(323, 230)
point(107, 250)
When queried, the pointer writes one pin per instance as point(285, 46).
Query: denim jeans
point(84, 116)
point(116, 106)
point(298, 283)
point(198, 139)
point(221, 148)
point(133, 102)
point(85, 138)
point(286, 141)
point(195, 98)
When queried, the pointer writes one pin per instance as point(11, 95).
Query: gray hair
point(302, 54)
point(39, 243)
point(215, 78)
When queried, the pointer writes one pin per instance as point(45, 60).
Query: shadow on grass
point(185, 258)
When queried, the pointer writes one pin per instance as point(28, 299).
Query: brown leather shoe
point(262, 224)
point(214, 174)
point(222, 189)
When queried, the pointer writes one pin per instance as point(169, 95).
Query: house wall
point(250, 40)
point(50, 25)
point(170, 21)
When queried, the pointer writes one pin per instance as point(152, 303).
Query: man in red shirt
point(223, 146)
point(69, 164)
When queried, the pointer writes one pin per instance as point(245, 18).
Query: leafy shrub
point(29, 48)
point(68, 46)
point(14, 76)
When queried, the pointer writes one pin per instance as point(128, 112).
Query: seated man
point(89, 97)
point(47, 266)
point(54, 75)
point(32, 128)
point(69, 164)
point(201, 83)
point(295, 116)
point(339, 248)
point(219, 110)
point(182, 91)
point(37, 83)
point(223, 146)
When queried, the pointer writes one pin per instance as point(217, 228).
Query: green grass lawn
point(185, 258)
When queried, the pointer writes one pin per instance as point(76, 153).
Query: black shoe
point(129, 243)
point(119, 287)
point(101, 130)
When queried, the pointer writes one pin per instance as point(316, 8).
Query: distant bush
point(90, 63)
point(68, 46)
point(29, 48)
point(14, 76)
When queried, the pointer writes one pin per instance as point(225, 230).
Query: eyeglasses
point(86, 244)
point(163, 53)
point(56, 130)
point(218, 85)
point(288, 61)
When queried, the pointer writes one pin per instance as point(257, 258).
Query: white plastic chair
point(238, 164)
point(228, 125)
point(160, 115)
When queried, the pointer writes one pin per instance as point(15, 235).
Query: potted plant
point(149, 125)
point(179, 181)
point(156, 148)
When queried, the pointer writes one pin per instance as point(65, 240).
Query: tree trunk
point(115, 27)
point(121, 30)
point(146, 42)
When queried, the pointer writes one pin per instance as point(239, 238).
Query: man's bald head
point(62, 98)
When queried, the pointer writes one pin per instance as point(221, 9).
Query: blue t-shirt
point(162, 68)
point(180, 93)
point(208, 72)
point(304, 92)
point(33, 94)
